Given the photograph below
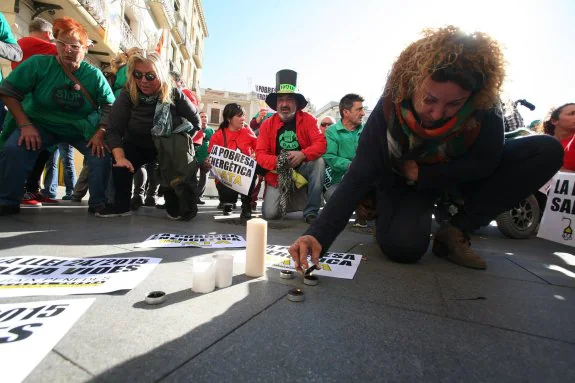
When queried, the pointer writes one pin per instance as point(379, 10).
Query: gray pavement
point(433, 321)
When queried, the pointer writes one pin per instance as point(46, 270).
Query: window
point(215, 116)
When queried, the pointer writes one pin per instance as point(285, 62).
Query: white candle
point(256, 242)
point(224, 270)
point(203, 274)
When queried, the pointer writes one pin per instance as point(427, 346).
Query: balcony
point(187, 50)
point(198, 56)
point(163, 12)
point(97, 9)
point(128, 39)
point(179, 30)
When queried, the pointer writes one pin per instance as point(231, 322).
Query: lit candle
point(256, 242)
point(224, 270)
point(203, 274)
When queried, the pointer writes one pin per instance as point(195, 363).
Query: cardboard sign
point(22, 276)
point(232, 168)
point(336, 265)
point(28, 331)
point(559, 216)
point(206, 241)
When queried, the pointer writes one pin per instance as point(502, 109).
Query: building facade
point(177, 27)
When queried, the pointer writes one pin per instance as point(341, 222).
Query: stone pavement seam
point(72, 362)
point(166, 375)
point(529, 271)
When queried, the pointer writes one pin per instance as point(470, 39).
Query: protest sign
point(336, 265)
point(22, 276)
point(262, 91)
point(557, 222)
point(28, 331)
point(206, 241)
point(232, 168)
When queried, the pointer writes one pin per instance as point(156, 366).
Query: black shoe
point(8, 210)
point(188, 216)
point(220, 206)
point(97, 209)
point(161, 206)
point(235, 206)
point(246, 212)
point(110, 211)
point(227, 208)
point(310, 218)
point(150, 202)
point(200, 202)
point(136, 203)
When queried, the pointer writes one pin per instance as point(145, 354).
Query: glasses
point(150, 76)
point(326, 124)
point(73, 47)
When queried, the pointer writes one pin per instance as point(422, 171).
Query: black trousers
point(404, 212)
point(123, 178)
point(33, 181)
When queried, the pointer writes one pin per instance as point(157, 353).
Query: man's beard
point(286, 116)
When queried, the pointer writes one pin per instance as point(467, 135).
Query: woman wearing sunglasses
point(152, 121)
point(52, 100)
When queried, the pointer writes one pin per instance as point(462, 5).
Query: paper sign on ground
point(206, 241)
point(232, 168)
point(28, 331)
point(336, 265)
point(559, 216)
point(42, 275)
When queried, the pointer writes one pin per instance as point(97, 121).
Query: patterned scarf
point(286, 182)
point(408, 140)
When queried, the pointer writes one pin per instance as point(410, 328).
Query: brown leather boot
point(452, 244)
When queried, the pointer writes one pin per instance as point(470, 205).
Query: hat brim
point(272, 100)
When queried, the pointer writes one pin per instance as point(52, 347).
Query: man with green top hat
point(290, 145)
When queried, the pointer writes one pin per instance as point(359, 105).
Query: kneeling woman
point(561, 125)
point(147, 114)
point(234, 135)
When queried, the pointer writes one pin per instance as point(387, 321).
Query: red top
point(243, 139)
point(569, 157)
point(309, 137)
point(192, 96)
point(34, 46)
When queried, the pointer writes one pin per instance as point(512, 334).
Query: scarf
point(286, 182)
point(162, 125)
point(407, 139)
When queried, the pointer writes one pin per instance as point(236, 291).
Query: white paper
point(43, 275)
point(558, 220)
point(232, 168)
point(207, 241)
point(336, 265)
point(28, 331)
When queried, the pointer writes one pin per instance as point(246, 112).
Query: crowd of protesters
point(438, 126)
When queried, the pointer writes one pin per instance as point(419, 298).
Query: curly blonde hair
point(474, 61)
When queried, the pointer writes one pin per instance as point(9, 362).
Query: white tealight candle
point(256, 242)
point(204, 274)
point(224, 270)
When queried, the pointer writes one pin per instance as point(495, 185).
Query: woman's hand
point(31, 137)
point(124, 163)
point(301, 248)
point(98, 144)
point(410, 170)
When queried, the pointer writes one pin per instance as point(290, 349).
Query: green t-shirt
point(6, 35)
point(51, 102)
point(121, 78)
point(202, 151)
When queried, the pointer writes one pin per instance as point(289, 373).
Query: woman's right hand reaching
point(301, 248)
point(124, 163)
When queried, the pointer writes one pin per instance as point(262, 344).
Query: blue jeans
point(51, 178)
point(314, 172)
point(16, 162)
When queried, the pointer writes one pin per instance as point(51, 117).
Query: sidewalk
point(430, 322)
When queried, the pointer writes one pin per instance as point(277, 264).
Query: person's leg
point(81, 186)
point(16, 162)
point(99, 173)
point(404, 223)
point(329, 191)
point(314, 173)
point(256, 191)
point(140, 178)
point(227, 197)
point(153, 184)
point(33, 180)
point(271, 205)
point(67, 155)
point(202, 182)
point(51, 175)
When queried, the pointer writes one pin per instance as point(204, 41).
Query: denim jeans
point(16, 162)
point(51, 178)
point(314, 172)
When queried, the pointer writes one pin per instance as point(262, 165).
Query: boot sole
point(440, 250)
point(125, 214)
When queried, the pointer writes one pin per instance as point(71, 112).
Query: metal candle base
point(296, 295)
point(286, 274)
point(310, 280)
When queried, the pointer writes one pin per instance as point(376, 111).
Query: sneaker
point(45, 200)
point(8, 210)
point(173, 218)
point(362, 223)
point(67, 197)
point(109, 212)
point(220, 206)
point(452, 244)
point(150, 202)
point(76, 198)
point(228, 207)
point(29, 199)
point(310, 218)
point(246, 212)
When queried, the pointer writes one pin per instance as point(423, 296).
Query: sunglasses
point(325, 124)
point(73, 47)
point(150, 76)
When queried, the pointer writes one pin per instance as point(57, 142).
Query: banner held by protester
point(232, 168)
point(559, 216)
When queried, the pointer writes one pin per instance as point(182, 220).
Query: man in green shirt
point(342, 140)
point(202, 155)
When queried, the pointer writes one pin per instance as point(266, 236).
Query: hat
point(286, 82)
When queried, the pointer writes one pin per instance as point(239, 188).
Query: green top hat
point(286, 83)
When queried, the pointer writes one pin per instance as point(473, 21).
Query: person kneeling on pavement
point(152, 121)
point(290, 145)
point(437, 127)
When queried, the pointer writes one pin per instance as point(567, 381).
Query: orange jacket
point(309, 137)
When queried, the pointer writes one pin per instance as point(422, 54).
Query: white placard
point(559, 216)
point(28, 331)
point(43, 275)
point(232, 168)
point(336, 265)
point(206, 241)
